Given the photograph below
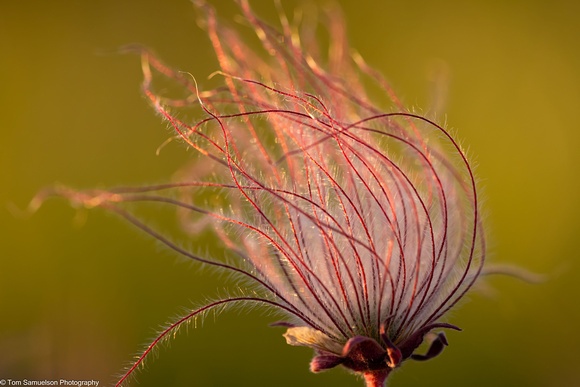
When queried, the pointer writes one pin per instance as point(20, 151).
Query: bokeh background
point(81, 291)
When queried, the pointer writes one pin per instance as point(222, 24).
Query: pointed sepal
point(435, 349)
point(409, 346)
point(325, 362)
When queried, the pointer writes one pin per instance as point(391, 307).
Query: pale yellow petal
point(309, 337)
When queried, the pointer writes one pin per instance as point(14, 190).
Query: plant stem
point(376, 378)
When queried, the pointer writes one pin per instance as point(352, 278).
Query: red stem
point(376, 378)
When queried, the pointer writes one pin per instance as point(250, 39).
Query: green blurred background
point(79, 297)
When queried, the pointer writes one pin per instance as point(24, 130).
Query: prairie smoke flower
point(360, 224)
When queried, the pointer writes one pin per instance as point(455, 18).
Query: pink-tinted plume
point(359, 222)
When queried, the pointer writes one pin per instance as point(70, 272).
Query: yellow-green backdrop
point(79, 296)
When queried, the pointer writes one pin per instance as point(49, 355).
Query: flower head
point(359, 223)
